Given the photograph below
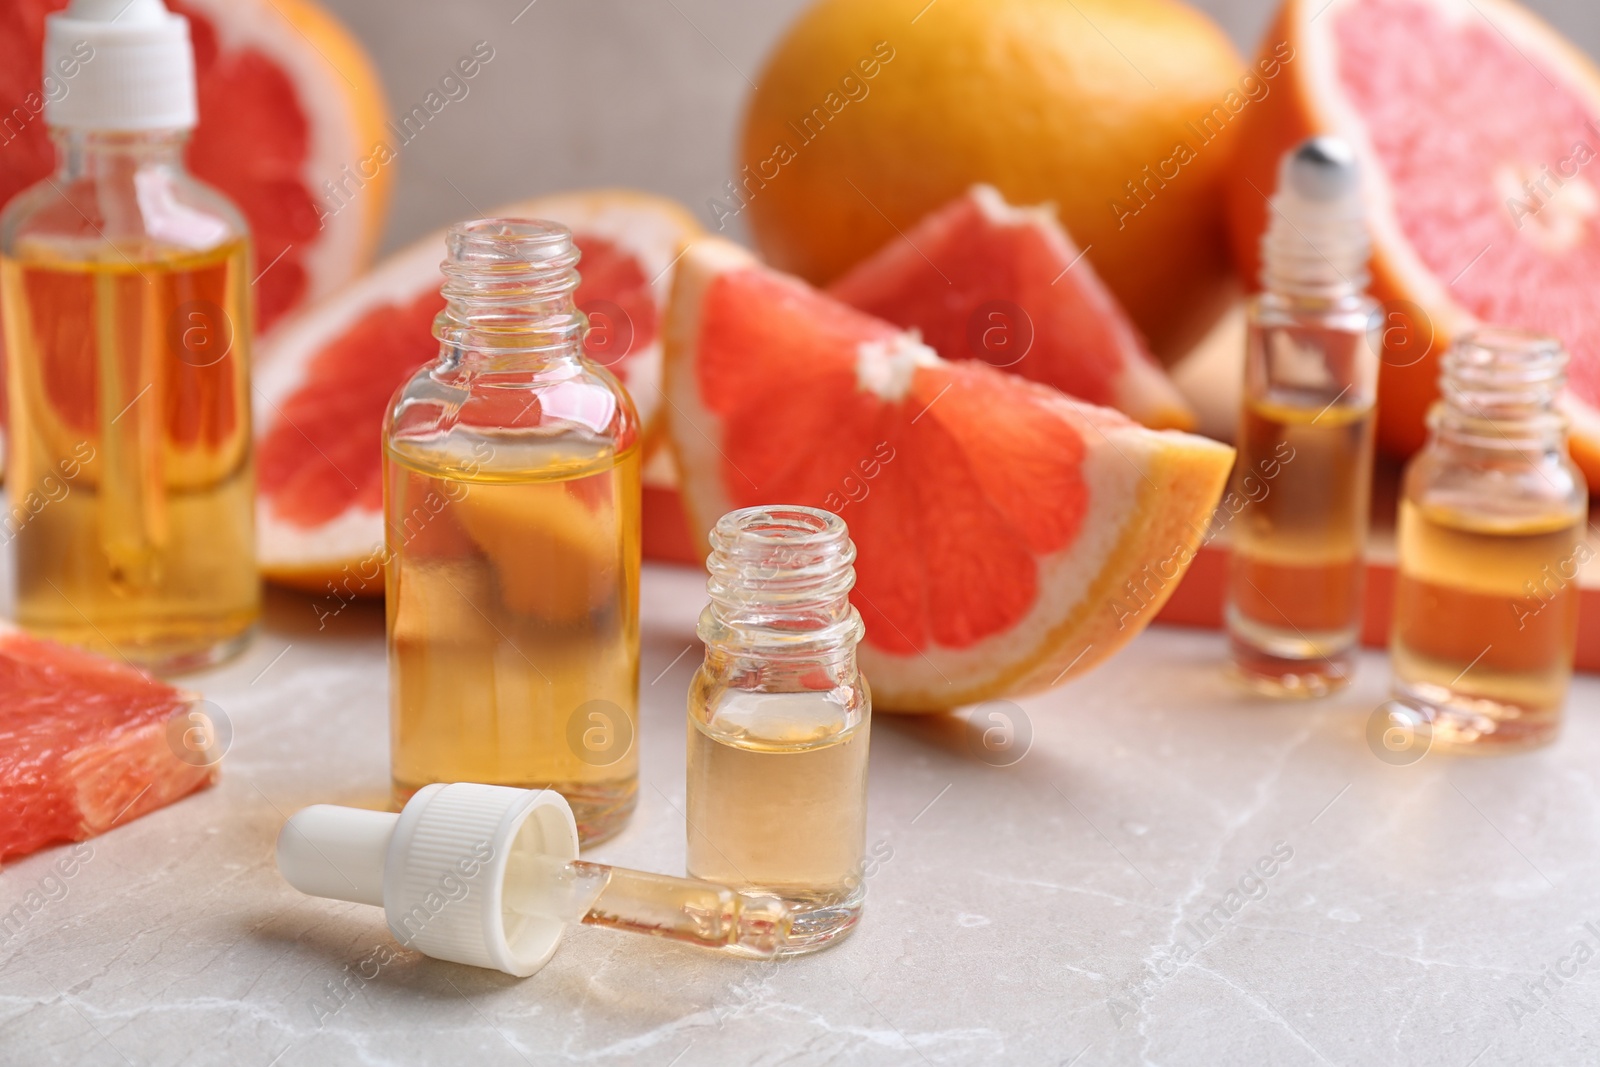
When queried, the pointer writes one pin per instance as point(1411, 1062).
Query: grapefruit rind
point(347, 550)
point(1150, 494)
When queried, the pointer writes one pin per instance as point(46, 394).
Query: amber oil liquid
point(777, 787)
point(1295, 580)
point(513, 618)
point(1486, 623)
point(129, 469)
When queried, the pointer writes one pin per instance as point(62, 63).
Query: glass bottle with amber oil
point(779, 720)
point(511, 504)
point(1294, 584)
point(1492, 522)
point(126, 298)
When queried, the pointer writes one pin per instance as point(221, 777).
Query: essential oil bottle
point(1295, 580)
point(1491, 539)
point(511, 509)
point(126, 296)
point(779, 721)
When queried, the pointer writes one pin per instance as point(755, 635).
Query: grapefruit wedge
point(1479, 128)
point(981, 279)
point(999, 524)
point(86, 744)
point(288, 102)
point(326, 377)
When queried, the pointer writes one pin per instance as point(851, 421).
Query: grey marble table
point(1168, 873)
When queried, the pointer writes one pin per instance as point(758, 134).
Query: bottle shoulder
point(1357, 311)
point(778, 710)
point(449, 414)
point(1525, 484)
point(146, 213)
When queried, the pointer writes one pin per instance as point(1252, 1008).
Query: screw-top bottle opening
point(509, 286)
point(780, 580)
point(1499, 388)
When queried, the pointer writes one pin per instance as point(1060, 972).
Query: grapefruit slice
point(326, 377)
point(84, 744)
point(981, 279)
point(1479, 128)
point(1001, 527)
point(288, 102)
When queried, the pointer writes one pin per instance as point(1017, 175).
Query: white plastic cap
point(439, 869)
point(131, 64)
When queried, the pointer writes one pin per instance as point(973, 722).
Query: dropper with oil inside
point(489, 876)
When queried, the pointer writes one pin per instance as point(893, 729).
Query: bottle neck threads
point(1316, 245)
point(1308, 254)
point(780, 587)
point(509, 291)
point(1499, 389)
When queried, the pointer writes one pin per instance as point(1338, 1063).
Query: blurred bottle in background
point(1293, 607)
point(1491, 539)
point(127, 307)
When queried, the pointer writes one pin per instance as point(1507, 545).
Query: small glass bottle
point(511, 504)
point(126, 296)
point(1305, 436)
point(1491, 539)
point(779, 721)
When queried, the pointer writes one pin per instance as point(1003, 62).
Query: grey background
point(646, 93)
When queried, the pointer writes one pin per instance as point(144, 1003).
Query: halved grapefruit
point(327, 375)
point(289, 101)
point(981, 279)
point(999, 524)
point(85, 744)
point(1479, 127)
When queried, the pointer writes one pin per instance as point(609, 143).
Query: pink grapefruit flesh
point(995, 519)
point(981, 279)
point(84, 745)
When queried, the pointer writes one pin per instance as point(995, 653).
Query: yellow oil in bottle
point(777, 800)
point(512, 596)
point(1295, 580)
point(129, 470)
point(1486, 621)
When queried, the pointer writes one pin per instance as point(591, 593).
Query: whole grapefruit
point(869, 115)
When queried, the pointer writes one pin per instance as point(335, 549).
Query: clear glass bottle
point(1491, 538)
point(126, 298)
point(511, 503)
point(1305, 436)
point(779, 721)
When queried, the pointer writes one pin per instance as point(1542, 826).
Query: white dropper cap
point(1316, 242)
point(132, 64)
point(438, 870)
